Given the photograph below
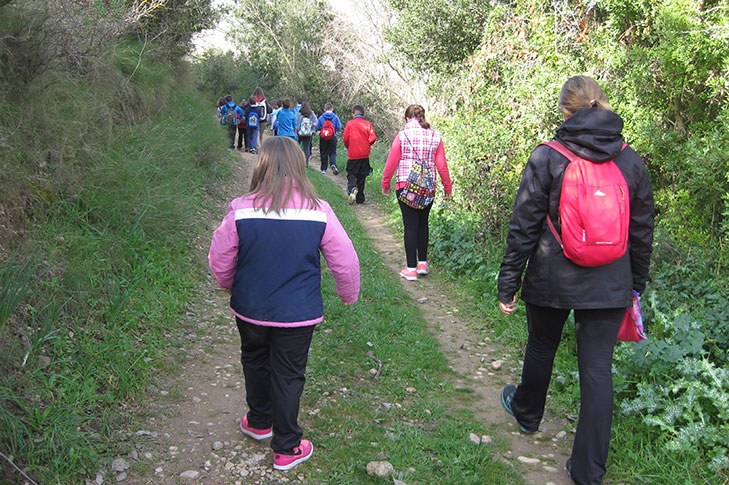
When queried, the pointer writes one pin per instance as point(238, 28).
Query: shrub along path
point(187, 431)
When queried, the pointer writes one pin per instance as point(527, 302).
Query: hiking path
point(187, 431)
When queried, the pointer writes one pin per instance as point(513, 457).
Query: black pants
point(232, 129)
point(357, 171)
point(328, 152)
point(415, 222)
point(306, 147)
point(274, 363)
point(596, 332)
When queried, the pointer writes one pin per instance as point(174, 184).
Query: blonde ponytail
point(580, 92)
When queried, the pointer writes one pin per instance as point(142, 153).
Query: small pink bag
point(631, 328)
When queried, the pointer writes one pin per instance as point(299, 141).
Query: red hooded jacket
point(358, 138)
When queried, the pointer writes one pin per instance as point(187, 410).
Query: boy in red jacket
point(358, 138)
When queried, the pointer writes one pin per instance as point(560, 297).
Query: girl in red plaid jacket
point(416, 140)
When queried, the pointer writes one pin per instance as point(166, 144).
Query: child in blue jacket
point(232, 114)
point(286, 120)
point(253, 123)
point(327, 141)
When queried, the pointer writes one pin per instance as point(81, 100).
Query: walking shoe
point(507, 395)
point(301, 453)
point(353, 196)
point(423, 268)
point(568, 466)
point(409, 274)
point(256, 434)
point(323, 171)
point(335, 170)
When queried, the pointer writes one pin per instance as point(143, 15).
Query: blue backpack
point(253, 119)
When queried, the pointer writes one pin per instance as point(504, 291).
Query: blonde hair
point(580, 92)
point(280, 171)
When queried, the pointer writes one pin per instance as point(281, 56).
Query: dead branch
point(379, 363)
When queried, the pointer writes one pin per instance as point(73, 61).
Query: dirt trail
point(187, 432)
point(541, 455)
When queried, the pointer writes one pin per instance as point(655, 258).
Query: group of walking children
point(266, 255)
point(245, 122)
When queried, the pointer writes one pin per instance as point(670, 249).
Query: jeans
point(274, 363)
point(252, 137)
point(596, 332)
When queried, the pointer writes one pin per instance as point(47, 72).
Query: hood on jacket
point(328, 115)
point(593, 134)
point(231, 104)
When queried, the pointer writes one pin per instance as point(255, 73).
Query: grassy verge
point(412, 415)
point(112, 270)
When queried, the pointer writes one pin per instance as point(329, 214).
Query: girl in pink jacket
point(266, 254)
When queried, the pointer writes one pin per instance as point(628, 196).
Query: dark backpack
point(594, 210)
point(327, 130)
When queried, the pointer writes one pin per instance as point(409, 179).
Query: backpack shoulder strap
point(563, 150)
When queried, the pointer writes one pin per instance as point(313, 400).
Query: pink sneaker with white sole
point(256, 434)
point(422, 268)
point(409, 274)
point(301, 453)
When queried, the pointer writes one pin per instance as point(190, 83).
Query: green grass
point(359, 417)
point(114, 241)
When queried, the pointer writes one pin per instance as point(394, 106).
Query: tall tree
point(286, 43)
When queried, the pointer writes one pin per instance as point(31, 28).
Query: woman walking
point(266, 254)
point(416, 143)
point(554, 285)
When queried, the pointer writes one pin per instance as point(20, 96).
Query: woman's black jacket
point(552, 280)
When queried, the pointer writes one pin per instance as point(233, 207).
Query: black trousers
point(357, 171)
point(305, 142)
point(242, 136)
point(328, 152)
point(596, 332)
point(274, 363)
point(232, 129)
point(415, 222)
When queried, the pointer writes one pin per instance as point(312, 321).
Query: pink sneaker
point(409, 274)
point(256, 434)
point(423, 268)
point(301, 453)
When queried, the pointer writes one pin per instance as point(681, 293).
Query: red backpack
point(594, 210)
point(327, 130)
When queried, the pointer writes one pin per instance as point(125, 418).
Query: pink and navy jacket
point(413, 142)
point(271, 263)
